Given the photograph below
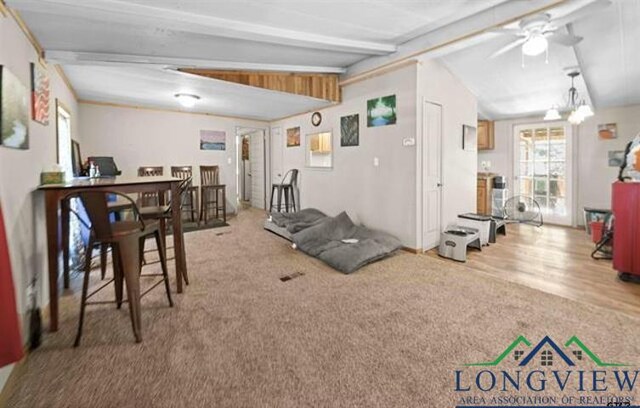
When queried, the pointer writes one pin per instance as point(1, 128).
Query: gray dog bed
point(285, 224)
point(325, 241)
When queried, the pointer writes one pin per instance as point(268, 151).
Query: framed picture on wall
point(293, 137)
point(381, 111)
point(608, 131)
point(14, 111)
point(40, 94)
point(213, 140)
point(616, 158)
point(349, 131)
point(469, 138)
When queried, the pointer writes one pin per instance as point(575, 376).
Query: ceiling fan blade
point(508, 31)
point(508, 47)
point(568, 40)
point(581, 12)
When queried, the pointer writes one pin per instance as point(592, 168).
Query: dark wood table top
point(86, 182)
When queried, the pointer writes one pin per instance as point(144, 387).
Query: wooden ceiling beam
point(114, 59)
point(320, 86)
point(118, 11)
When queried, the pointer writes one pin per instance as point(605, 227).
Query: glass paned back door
point(543, 169)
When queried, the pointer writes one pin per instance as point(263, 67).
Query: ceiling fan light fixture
point(535, 45)
point(552, 114)
point(187, 100)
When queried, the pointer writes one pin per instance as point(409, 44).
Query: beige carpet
point(390, 335)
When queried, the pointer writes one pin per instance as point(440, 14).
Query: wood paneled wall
point(321, 86)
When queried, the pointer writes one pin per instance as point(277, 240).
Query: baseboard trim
point(411, 250)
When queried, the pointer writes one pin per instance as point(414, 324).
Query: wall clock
point(316, 118)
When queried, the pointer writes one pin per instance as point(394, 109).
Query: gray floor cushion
point(324, 241)
point(297, 221)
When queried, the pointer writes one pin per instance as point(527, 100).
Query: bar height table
point(58, 227)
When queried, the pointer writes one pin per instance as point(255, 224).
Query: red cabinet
point(625, 203)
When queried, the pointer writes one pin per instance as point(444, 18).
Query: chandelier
point(578, 108)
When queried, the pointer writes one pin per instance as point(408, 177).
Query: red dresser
point(625, 203)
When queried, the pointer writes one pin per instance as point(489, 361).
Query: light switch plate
point(376, 162)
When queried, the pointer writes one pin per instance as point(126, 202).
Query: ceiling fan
point(535, 32)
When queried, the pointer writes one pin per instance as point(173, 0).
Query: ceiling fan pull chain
point(546, 58)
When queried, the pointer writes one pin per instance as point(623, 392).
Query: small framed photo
point(608, 131)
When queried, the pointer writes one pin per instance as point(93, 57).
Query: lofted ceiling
point(607, 57)
point(127, 52)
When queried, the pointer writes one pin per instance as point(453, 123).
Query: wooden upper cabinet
point(485, 135)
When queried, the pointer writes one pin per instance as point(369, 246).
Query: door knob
point(439, 184)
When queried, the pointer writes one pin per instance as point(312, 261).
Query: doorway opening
point(251, 168)
point(431, 174)
point(543, 168)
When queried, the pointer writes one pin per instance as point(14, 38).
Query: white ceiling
point(610, 53)
point(117, 51)
point(156, 87)
point(608, 57)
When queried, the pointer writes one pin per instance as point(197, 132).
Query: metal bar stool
point(125, 239)
point(287, 188)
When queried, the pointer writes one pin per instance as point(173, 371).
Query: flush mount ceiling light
point(578, 108)
point(187, 100)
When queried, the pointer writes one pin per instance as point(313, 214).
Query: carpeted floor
point(390, 335)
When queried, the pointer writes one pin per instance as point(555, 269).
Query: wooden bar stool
point(149, 198)
point(125, 239)
point(162, 214)
point(191, 197)
point(213, 195)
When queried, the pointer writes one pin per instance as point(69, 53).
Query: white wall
point(388, 197)
point(146, 137)
point(382, 197)
point(23, 207)
point(459, 107)
point(594, 176)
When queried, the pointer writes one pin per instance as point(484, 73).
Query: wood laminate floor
point(555, 260)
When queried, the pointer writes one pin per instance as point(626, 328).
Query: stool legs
point(293, 199)
point(130, 262)
point(163, 262)
point(85, 289)
point(279, 199)
point(274, 188)
point(103, 259)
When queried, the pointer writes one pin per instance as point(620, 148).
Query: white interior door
point(277, 151)
point(257, 161)
point(543, 168)
point(431, 174)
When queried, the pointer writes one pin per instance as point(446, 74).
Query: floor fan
point(523, 210)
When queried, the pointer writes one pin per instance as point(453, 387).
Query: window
point(578, 354)
point(63, 121)
point(547, 358)
point(517, 354)
point(319, 150)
